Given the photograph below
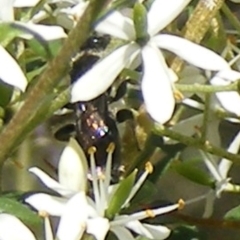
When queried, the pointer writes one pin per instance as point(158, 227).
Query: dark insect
point(95, 126)
point(94, 123)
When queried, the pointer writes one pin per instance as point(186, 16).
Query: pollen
point(92, 150)
point(43, 214)
point(181, 204)
point(150, 213)
point(111, 148)
point(149, 167)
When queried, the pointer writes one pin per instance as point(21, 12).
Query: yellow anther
point(150, 213)
point(178, 95)
point(207, 143)
point(149, 167)
point(101, 176)
point(111, 148)
point(122, 168)
point(43, 214)
point(181, 204)
point(92, 150)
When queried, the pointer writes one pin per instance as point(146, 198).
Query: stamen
point(111, 148)
point(149, 167)
point(178, 95)
point(101, 176)
point(181, 204)
point(43, 214)
point(150, 213)
point(92, 150)
point(207, 143)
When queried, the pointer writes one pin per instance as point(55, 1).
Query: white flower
point(81, 214)
point(12, 228)
point(10, 72)
point(95, 212)
point(156, 80)
point(68, 16)
point(48, 33)
point(25, 3)
point(229, 100)
point(72, 173)
point(220, 174)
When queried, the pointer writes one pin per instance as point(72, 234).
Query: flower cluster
point(143, 46)
point(79, 213)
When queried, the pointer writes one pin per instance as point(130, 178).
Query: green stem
point(206, 146)
point(206, 115)
point(49, 79)
point(234, 21)
point(197, 88)
point(44, 112)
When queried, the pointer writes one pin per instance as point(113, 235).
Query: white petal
point(156, 85)
point(44, 202)
point(12, 228)
point(6, 10)
point(73, 221)
point(72, 167)
point(158, 231)
point(46, 32)
point(67, 17)
point(191, 52)
point(98, 227)
point(149, 231)
point(193, 104)
point(229, 100)
point(162, 13)
point(117, 25)
point(210, 199)
point(138, 228)
point(51, 183)
point(122, 233)
point(99, 78)
point(229, 75)
point(25, 3)
point(10, 71)
point(225, 165)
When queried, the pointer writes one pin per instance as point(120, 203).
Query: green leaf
point(121, 195)
point(12, 206)
point(8, 33)
point(6, 94)
point(36, 72)
point(193, 173)
point(45, 49)
point(233, 214)
point(186, 232)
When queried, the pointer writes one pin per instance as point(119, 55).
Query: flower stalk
point(193, 142)
point(200, 88)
